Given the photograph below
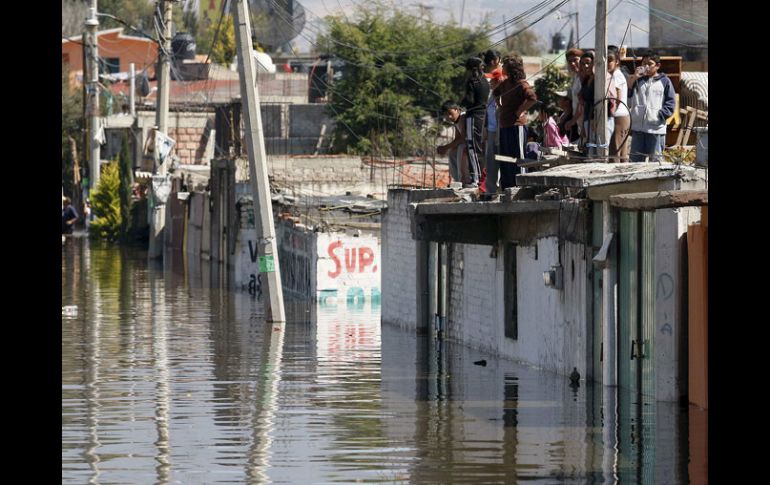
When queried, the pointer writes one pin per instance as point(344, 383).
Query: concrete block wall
point(475, 296)
point(273, 120)
point(399, 256)
point(306, 120)
point(553, 325)
point(295, 129)
point(399, 252)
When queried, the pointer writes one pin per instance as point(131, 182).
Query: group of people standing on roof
point(491, 119)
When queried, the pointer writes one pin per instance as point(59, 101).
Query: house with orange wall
point(117, 51)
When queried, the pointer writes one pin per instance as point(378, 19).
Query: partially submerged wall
point(552, 324)
point(399, 252)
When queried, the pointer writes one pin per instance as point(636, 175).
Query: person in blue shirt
point(68, 216)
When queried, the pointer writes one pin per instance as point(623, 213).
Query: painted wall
point(348, 268)
point(670, 290)
point(113, 43)
point(553, 324)
point(245, 262)
point(399, 250)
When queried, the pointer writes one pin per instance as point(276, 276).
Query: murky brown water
point(168, 380)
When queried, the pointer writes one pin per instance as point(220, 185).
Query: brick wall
point(190, 144)
point(190, 130)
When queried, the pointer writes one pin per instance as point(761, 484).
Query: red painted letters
point(361, 257)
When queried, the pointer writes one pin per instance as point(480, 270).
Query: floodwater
point(169, 378)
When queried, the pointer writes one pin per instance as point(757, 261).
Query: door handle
point(633, 343)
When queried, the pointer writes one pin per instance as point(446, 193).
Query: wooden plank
point(679, 138)
point(690, 123)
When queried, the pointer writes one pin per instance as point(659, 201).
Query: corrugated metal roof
point(694, 88)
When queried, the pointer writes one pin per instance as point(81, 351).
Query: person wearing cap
point(68, 216)
point(494, 74)
point(475, 102)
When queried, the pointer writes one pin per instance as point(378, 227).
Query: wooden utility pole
point(268, 247)
point(600, 79)
point(91, 76)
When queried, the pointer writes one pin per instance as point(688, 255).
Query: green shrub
point(105, 203)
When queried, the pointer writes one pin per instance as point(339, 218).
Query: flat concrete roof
point(485, 208)
point(660, 200)
point(583, 175)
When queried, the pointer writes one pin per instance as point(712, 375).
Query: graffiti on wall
point(348, 270)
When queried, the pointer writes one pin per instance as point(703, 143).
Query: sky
point(474, 12)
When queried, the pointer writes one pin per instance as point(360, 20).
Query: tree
point(398, 69)
point(105, 202)
point(524, 42)
point(224, 48)
point(139, 15)
point(73, 13)
point(71, 130)
point(553, 80)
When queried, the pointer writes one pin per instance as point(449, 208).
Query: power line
point(651, 12)
point(492, 31)
point(663, 12)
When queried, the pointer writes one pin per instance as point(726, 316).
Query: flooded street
point(169, 378)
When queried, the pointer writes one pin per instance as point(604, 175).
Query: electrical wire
point(697, 34)
point(663, 12)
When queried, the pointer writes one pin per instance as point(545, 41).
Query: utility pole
point(160, 177)
point(600, 79)
point(577, 29)
point(260, 188)
point(91, 71)
point(132, 92)
point(164, 68)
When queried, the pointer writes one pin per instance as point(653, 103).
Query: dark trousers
point(512, 142)
point(474, 126)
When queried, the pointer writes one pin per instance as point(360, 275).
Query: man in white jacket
point(652, 101)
